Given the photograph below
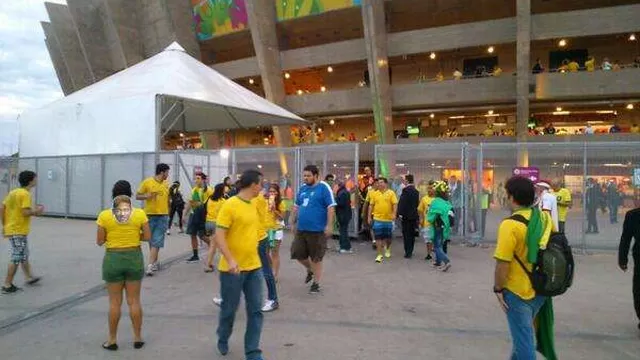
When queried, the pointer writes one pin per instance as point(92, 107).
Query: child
point(423, 208)
point(441, 217)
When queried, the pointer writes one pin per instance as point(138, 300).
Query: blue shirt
point(312, 203)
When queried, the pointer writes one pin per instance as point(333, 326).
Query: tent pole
point(159, 136)
point(173, 123)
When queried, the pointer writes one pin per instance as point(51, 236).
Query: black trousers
point(636, 285)
point(176, 210)
point(343, 225)
point(561, 226)
point(592, 220)
point(409, 235)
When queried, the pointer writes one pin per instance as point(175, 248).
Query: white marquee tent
point(132, 110)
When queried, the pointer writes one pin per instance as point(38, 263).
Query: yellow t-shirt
point(213, 208)
point(371, 194)
point(14, 203)
point(241, 220)
point(573, 66)
point(590, 65)
point(273, 223)
point(564, 200)
point(383, 205)
point(262, 206)
point(122, 235)
point(200, 196)
point(512, 242)
point(423, 208)
point(160, 204)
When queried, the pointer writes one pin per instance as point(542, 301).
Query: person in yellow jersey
point(275, 224)
point(238, 233)
point(382, 214)
point(513, 253)
point(120, 230)
point(265, 210)
point(154, 191)
point(425, 227)
point(573, 66)
point(213, 208)
point(195, 207)
point(564, 204)
point(15, 215)
point(590, 64)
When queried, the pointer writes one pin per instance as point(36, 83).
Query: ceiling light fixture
point(457, 117)
point(299, 92)
point(629, 106)
point(491, 49)
point(562, 43)
point(561, 112)
point(432, 115)
point(332, 122)
point(490, 112)
point(287, 75)
point(558, 109)
point(329, 69)
point(323, 89)
point(632, 37)
point(432, 56)
point(251, 81)
point(605, 111)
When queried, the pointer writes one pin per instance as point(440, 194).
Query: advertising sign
point(531, 173)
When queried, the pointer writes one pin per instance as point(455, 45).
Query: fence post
point(176, 170)
point(479, 222)
point(234, 166)
point(464, 164)
point(584, 198)
point(67, 186)
point(102, 181)
point(356, 168)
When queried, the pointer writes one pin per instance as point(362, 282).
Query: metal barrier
point(8, 175)
point(603, 179)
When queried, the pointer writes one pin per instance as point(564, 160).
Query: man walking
point(563, 196)
point(154, 191)
point(594, 197)
point(408, 212)
point(199, 195)
point(512, 285)
point(237, 236)
point(382, 214)
point(612, 196)
point(312, 223)
point(343, 214)
point(15, 216)
point(631, 230)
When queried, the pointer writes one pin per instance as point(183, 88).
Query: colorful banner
point(217, 17)
point(292, 9)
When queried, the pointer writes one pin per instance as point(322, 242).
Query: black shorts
point(309, 245)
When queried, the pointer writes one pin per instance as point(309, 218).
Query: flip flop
point(34, 280)
point(138, 344)
point(112, 347)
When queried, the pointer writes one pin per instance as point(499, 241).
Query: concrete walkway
point(401, 309)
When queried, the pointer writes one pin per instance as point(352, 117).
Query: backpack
point(552, 274)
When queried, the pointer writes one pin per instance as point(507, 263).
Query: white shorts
point(426, 236)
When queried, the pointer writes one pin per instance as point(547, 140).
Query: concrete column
point(373, 17)
point(88, 19)
point(162, 22)
point(67, 36)
point(56, 58)
point(122, 35)
point(262, 22)
point(523, 55)
point(181, 16)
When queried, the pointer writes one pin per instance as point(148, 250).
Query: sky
point(27, 77)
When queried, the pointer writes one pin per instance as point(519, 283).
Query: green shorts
point(122, 266)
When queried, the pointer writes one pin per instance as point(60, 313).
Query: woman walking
point(441, 217)
point(275, 224)
point(213, 208)
point(176, 206)
point(120, 231)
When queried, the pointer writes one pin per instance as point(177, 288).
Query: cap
point(543, 184)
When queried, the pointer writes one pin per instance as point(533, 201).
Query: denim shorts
point(158, 225)
point(19, 249)
point(383, 229)
point(210, 228)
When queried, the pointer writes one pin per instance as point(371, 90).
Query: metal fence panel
point(342, 161)
point(427, 162)
point(612, 166)
point(219, 165)
point(85, 186)
point(52, 185)
point(190, 163)
point(127, 167)
point(8, 175)
point(28, 164)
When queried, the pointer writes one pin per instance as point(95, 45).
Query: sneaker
point(315, 288)
point(168, 232)
point(217, 301)
point(34, 280)
point(155, 267)
point(269, 306)
point(428, 257)
point(10, 289)
point(379, 259)
point(193, 259)
point(344, 251)
point(181, 231)
point(445, 267)
point(150, 270)
point(387, 253)
point(373, 245)
point(309, 277)
point(436, 265)
point(208, 269)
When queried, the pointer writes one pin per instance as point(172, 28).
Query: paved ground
point(401, 309)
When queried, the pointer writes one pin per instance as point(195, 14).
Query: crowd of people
point(244, 222)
